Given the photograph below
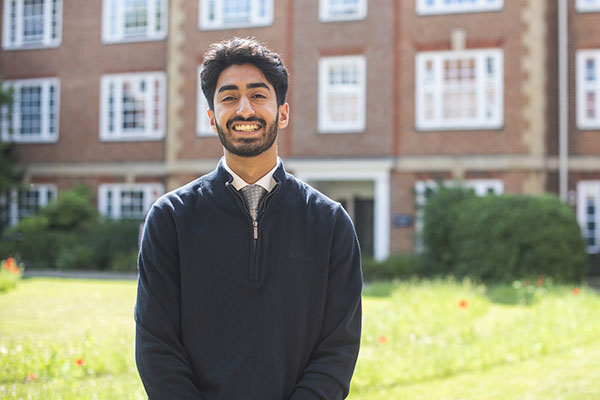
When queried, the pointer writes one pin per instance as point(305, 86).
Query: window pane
point(135, 17)
point(33, 21)
point(31, 110)
point(236, 11)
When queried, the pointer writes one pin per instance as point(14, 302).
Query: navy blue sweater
point(231, 310)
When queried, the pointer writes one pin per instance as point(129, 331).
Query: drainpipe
point(563, 100)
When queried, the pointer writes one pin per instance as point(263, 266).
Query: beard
point(251, 146)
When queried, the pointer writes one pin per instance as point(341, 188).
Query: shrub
point(396, 266)
point(503, 238)
point(68, 234)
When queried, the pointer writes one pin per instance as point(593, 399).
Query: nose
point(245, 109)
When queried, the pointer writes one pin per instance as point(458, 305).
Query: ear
point(211, 119)
point(284, 115)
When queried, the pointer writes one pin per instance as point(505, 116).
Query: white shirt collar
point(267, 181)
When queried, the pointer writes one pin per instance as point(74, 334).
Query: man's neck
point(251, 169)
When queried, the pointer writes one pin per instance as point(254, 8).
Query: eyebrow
point(249, 86)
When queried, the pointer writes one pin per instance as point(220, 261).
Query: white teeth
point(246, 128)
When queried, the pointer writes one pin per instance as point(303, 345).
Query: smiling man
point(249, 279)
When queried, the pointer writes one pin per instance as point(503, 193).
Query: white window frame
point(432, 7)
point(325, 125)
point(256, 20)
point(327, 12)
point(587, 5)
point(432, 85)
point(10, 127)
point(12, 30)
point(589, 190)
point(481, 187)
point(117, 133)
point(203, 128)
point(10, 199)
point(113, 22)
point(584, 87)
point(151, 192)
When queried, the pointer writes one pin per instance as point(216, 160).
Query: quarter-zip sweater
point(231, 309)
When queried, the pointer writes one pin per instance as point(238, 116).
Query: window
point(588, 213)
point(587, 5)
point(132, 106)
point(30, 24)
point(128, 201)
point(424, 189)
point(18, 204)
point(202, 123)
point(459, 89)
point(426, 7)
point(588, 89)
point(134, 20)
point(342, 10)
point(342, 93)
point(33, 115)
point(223, 14)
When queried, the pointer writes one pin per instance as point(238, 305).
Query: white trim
point(113, 22)
point(115, 131)
point(358, 90)
point(255, 17)
point(47, 193)
point(588, 195)
point(431, 7)
point(587, 5)
point(429, 83)
point(348, 170)
point(586, 87)
point(10, 127)
point(327, 12)
point(203, 128)
point(109, 197)
point(17, 42)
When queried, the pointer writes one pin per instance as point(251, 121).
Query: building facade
point(387, 99)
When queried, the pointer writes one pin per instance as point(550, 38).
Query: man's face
point(246, 116)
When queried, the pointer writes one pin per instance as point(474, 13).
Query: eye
point(227, 98)
point(260, 96)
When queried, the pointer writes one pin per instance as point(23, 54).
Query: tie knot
point(252, 195)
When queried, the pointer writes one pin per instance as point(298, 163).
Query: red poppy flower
point(79, 362)
point(540, 281)
point(383, 339)
point(576, 291)
point(31, 377)
point(463, 304)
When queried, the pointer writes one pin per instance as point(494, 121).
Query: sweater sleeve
point(161, 359)
point(328, 373)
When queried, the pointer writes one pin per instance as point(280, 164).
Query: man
point(242, 299)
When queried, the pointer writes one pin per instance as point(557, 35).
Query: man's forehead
point(242, 76)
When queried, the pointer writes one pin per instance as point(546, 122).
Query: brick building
point(387, 98)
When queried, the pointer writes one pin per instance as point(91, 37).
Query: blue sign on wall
point(403, 220)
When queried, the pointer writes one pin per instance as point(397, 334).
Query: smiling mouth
point(247, 128)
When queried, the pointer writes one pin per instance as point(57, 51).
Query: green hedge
point(69, 234)
point(398, 266)
point(502, 238)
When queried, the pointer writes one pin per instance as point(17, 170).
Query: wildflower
point(31, 377)
point(383, 339)
point(79, 362)
point(576, 291)
point(463, 304)
point(540, 281)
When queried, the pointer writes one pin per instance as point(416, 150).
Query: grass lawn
point(73, 339)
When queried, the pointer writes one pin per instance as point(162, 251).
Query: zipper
point(254, 267)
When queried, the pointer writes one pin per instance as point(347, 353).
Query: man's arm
point(161, 359)
point(328, 373)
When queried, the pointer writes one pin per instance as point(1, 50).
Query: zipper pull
point(255, 223)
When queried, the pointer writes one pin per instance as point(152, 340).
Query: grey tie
point(252, 195)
